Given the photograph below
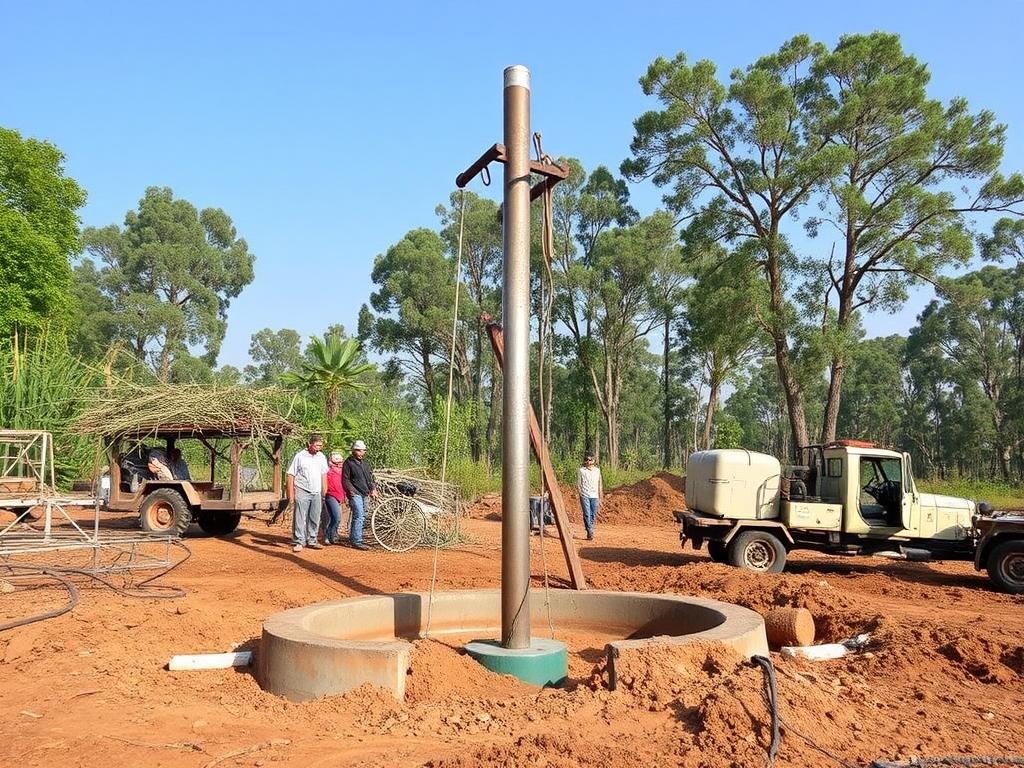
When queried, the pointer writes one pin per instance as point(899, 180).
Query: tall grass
point(42, 386)
point(999, 494)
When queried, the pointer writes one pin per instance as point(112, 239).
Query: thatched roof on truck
point(183, 410)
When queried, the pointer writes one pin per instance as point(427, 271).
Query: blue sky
point(328, 130)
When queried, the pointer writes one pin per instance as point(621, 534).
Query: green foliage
point(389, 428)
point(414, 302)
point(1000, 495)
point(728, 432)
point(333, 365)
point(38, 234)
point(43, 386)
point(273, 353)
point(163, 284)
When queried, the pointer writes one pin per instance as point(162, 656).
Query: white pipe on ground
point(210, 661)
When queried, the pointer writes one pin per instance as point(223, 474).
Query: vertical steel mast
point(515, 450)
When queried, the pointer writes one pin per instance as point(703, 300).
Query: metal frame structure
point(31, 453)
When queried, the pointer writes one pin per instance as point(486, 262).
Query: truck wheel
point(1005, 566)
point(718, 552)
point(218, 523)
point(757, 551)
point(165, 511)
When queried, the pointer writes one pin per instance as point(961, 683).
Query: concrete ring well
point(332, 647)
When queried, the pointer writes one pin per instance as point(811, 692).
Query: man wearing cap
point(307, 484)
point(357, 477)
point(588, 483)
point(335, 498)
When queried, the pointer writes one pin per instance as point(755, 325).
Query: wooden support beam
point(540, 450)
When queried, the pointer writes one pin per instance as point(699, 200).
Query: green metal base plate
point(544, 663)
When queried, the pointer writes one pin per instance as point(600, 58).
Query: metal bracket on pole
point(540, 451)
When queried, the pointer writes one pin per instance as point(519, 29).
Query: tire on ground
point(1005, 566)
point(165, 511)
point(758, 551)
point(718, 551)
point(218, 523)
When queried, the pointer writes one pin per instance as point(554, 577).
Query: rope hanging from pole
point(448, 402)
point(547, 291)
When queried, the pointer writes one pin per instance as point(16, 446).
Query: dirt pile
point(441, 669)
point(648, 502)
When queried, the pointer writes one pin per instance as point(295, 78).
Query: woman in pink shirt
point(334, 499)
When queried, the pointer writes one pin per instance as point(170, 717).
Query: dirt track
point(89, 688)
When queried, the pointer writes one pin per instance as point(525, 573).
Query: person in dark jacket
point(357, 478)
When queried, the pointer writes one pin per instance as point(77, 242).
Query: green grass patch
point(1000, 495)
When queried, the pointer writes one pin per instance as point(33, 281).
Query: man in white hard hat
point(360, 485)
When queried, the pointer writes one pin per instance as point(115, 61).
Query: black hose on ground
point(144, 589)
point(36, 572)
point(771, 694)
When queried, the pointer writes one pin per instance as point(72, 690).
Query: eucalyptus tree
point(913, 170)
point(167, 278)
point(740, 159)
point(413, 302)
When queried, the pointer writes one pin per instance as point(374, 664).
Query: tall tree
point(482, 254)
point(667, 295)
point(414, 302)
point(38, 233)
point(167, 277)
point(740, 159)
point(980, 327)
point(583, 210)
point(273, 353)
point(720, 318)
point(623, 261)
point(913, 170)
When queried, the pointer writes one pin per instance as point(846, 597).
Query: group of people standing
point(320, 488)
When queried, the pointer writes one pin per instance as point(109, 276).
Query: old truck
point(847, 497)
point(169, 506)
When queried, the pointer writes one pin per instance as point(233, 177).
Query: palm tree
point(332, 365)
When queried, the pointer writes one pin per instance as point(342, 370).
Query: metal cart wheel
point(398, 523)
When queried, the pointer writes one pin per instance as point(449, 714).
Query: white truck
point(848, 497)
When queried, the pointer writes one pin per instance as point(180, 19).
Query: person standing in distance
point(591, 490)
point(357, 477)
point(307, 484)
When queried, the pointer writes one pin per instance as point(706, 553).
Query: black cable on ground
point(773, 704)
point(144, 589)
point(771, 694)
point(69, 605)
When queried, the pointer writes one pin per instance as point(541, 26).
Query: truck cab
point(848, 497)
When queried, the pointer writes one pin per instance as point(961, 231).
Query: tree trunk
point(787, 379)
point(835, 390)
point(709, 414)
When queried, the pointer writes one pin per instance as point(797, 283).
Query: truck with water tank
point(847, 497)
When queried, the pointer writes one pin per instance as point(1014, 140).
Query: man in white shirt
point(588, 483)
point(307, 484)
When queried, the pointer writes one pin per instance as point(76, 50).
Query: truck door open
point(881, 497)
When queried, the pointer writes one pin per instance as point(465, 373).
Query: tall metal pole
point(515, 428)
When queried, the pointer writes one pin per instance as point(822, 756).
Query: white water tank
point(733, 483)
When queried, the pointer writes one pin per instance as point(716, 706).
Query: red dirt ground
point(944, 676)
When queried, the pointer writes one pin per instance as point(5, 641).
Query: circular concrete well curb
point(332, 647)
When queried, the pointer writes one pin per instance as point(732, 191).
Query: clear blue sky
point(327, 130)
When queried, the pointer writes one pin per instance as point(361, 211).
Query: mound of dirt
point(440, 670)
point(648, 502)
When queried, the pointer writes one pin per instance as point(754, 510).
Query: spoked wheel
point(442, 526)
point(398, 523)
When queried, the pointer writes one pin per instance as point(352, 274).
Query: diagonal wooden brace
point(540, 450)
